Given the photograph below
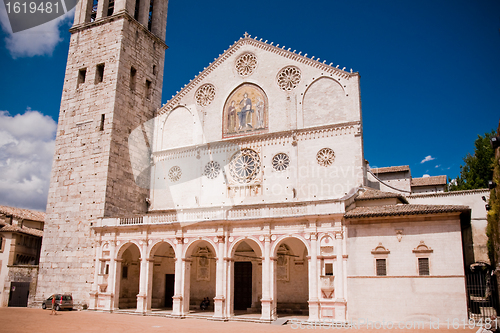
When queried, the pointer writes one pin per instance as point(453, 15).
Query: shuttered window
point(381, 267)
point(423, 266)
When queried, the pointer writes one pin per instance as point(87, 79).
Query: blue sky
point(429, 73)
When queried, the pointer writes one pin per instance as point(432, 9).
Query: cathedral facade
point(249, 188)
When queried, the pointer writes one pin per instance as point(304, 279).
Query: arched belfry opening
point(129, 276)
point(200, 273)
point(246, 273)
point(291, 269)
point(162, 288)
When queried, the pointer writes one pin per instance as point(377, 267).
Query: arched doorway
point(129, 276)
point(163, 281)
point(246, 273)
point(291, 269)
point(200, 276)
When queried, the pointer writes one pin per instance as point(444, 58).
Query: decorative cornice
point(233, 213)
point(267, 139)
point(246, 40)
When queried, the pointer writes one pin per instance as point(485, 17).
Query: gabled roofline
point(247, 40)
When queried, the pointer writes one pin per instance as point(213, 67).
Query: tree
point(478, 168)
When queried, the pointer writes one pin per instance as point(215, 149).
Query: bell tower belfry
point(113, 83)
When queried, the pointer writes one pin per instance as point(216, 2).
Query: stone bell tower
point(112, 85)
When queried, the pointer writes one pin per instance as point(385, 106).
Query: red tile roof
point(24, 230)
point(429, 181)
point(401, 210)
point(400, 168)
point(373, 194)
point(25, 214)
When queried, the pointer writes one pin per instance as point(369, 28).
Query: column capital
point(220, 238)
point(265, 238)
point(338, 235)
point(313, 236)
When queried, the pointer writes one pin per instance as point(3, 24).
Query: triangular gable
point(247, 40)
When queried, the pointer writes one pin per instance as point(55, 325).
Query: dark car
point(63, 301)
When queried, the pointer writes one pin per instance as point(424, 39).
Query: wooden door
point(242, 285)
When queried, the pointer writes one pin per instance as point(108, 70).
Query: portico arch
point(128, 275)
point(200, 274)
point(161, 285)
point(245, 275)
point(291, 270)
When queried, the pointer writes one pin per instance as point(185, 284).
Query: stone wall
point(402, 294)
point(92, 174)
point(22, 273)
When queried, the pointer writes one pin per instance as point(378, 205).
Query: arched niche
point(324, 103)
point(179, 129)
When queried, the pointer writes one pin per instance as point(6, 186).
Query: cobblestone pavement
point(38, 320)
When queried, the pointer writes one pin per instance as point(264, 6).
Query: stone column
point(267, 297)
point(186, 268)
point(313, 279)
point(339, 279)
point(82, 12)
point(219, 299)
point(143, 279)
point(229, 287)
point(102, 6)
point(177, 309)
point(95, 288)
point(113, 291)
point(144, 12)
point(149, 285)
point(120, 5)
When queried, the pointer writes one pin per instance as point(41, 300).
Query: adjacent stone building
point(249, 188)
point(20, 242)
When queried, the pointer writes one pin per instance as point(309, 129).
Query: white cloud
point(26, 150)
point(425, 176)
point(437, 166)
point(37, 41)
point(427, 159)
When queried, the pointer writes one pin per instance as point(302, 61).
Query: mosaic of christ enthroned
point(245, 111)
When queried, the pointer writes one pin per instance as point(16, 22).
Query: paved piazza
point(38, 320)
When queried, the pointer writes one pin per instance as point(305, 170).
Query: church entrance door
point(169, 289)
point(242, 285)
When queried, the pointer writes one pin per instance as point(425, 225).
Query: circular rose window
point(244, 166)
point(174, 174)
point(212, 170)
point(325, 157)
point(281, 161)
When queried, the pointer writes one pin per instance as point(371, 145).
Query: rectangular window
point(133, 73)
point(1, 244)
point(103, 117)
point(124, 272)
point(423, 266)
point(150, 16)
point(137, 7)
point(81, 76)
point(329, 269)
point(148, 89)
point(107, 270)
point(381, 267)
point(111, 7)
point(99, 73)
point(93, 12)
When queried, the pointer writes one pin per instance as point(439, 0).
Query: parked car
point(63, 301)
